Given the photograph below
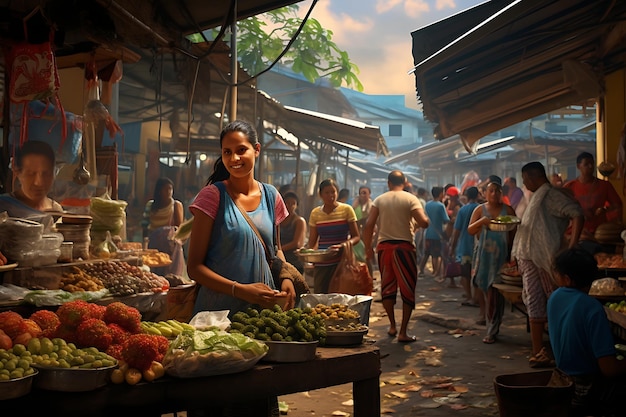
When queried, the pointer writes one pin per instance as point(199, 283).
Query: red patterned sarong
point(398, 269)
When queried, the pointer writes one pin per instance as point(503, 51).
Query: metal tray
point(72, 379)
point(14, 388)
point(345, 338)
point(290, 351)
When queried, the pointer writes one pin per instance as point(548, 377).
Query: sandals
point(489, 340)
point(541, 360)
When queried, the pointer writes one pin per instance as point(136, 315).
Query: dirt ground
point(448, 371)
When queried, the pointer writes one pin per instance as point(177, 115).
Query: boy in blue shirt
point(581, 337)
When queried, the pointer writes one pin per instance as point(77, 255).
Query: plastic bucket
point(538, 394)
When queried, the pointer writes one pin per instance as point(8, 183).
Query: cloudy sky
point(377, 36)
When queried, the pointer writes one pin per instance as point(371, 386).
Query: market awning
point(506, 61)
point(311, 124)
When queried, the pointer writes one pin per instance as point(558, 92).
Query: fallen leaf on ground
point(433, 362)
point(348, 403)
point(482, 404)
point(430, 404)
point(306, 394)
point(454, 395)
point(505, 357)
point(445, 385)
point(426, 394)
point(461, 388)
point(382, 384)
point(412, 388)
point(374, 319)
point(456, 336)
point(437, 379)
point(413, 373)
point(340, 414)
point(445, 400)
point(396, 382)
point(400, 394)
point(407, 348)
point(459, 406)
point(387, 411)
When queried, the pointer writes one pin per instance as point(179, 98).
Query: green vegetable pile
point(504, 219)
point(295, 325)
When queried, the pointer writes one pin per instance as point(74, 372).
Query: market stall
point(332, 366)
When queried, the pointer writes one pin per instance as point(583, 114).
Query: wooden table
point(333, 366)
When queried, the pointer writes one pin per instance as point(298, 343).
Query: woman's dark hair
point(293, 195)
point(326, 183)
point(584, 155)
point(343, 193)
point(158, 201)
point(220, 173)
point(579, 265)
point(33, 147)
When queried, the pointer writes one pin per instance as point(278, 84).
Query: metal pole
point(345, 180)
point(233, 65)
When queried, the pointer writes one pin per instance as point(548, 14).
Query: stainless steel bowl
point(345, 338)
point(498, 226)
point(14, 388)
point(290, 351)
point(318, 255)
point(72, 379)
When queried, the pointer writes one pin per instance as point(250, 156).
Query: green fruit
point(18, 349)
point(47, 346)
point(34, 345)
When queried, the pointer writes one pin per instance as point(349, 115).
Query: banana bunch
point(167, 328)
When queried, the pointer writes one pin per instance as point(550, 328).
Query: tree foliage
point(262, 38)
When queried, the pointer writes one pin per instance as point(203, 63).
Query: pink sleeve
point(207, 201)
point(280, 210)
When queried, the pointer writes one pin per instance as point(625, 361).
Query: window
point(395, 130)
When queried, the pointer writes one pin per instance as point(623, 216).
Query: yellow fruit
point(149, 375)
point(117, 376)
point(18, 349)
point(158, 369)
point(133, 376)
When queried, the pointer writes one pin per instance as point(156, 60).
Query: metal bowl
point(345, 338)
point(290, 351)
point(72, 379)
point(498, 226)
point(338, 323)
point(14, 388)
point(318, 255)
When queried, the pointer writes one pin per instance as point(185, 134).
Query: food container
point(290, 351)
point(72, 379)
point(317, 255)
point(359, 303)
point(50, 241)
point(14, 388)
point(507, 226)
point(345, 338)
point(66, 252)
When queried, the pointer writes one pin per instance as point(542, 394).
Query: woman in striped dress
point(331, 225)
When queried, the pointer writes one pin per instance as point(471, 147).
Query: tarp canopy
point(505, 61)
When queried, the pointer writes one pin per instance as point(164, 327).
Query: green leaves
point(262, 38)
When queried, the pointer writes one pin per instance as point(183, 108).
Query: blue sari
point(15, 208)
point(235, 251)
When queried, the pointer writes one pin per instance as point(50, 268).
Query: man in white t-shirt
point(398, 213)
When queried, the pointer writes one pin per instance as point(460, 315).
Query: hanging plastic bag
point(351, 276)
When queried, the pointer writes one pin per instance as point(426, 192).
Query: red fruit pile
point(114, 329)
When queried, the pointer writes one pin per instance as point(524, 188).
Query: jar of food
point(67, 249)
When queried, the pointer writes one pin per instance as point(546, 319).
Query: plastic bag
point(453, 269)
point(212, 352)
point(351, 277)
point(204, 320)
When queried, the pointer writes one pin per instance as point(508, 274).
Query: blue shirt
point(579, 331)
point(465, 244)
point(438, 216)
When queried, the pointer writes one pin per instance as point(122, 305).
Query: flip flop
point(469, 304)
point(411, 339)
point(489, 340)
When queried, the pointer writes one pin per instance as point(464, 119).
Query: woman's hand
point(288, 289)
point(3, 259)
point(256, 293)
